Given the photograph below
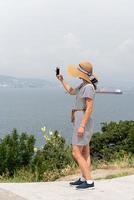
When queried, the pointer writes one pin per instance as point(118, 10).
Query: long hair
point(94, 82)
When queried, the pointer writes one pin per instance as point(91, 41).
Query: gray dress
point(86, 91)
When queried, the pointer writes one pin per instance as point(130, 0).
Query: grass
point(126, 161)
point(119, 175)
point(119, 167)
point(22, 175)
point(26, 175)
point(122, 166)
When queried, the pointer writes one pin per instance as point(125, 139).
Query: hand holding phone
point(57, 71)
point(58, 75)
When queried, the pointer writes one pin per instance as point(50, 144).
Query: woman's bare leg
point(82, 162)
point(86, 155)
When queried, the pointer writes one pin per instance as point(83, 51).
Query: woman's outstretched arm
point(67, 87)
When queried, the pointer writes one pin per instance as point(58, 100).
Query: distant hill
point(13, 82)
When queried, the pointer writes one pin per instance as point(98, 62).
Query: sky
point(38, 35)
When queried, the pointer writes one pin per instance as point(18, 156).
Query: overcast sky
point(38, 35)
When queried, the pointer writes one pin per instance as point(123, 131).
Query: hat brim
point(73, 71)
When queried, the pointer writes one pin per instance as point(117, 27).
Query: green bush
point(20, 160)
point(55, 156)
point(113, 138)
point(16, 151)
point(18, 157)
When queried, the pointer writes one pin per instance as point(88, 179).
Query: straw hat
point(84, 71)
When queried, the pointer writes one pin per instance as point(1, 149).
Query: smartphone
point(57, 71)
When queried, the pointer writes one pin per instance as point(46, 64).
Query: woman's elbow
point(89, 110)
point(71, 91)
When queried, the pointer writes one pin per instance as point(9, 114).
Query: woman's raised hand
point(60, 77)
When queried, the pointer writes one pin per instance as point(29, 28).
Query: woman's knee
point(86, 151)
point(76, 153)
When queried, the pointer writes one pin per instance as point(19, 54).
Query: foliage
point(55, 156)
point(20, 160)
point(114, 140)
point(16, 151)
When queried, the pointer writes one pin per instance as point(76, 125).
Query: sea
point(30, 109)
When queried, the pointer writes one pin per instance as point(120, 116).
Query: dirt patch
point(101, 174)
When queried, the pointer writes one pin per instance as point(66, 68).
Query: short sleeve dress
point(82, 92)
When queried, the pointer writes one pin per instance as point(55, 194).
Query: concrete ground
point(114, 189)
point(6, 195)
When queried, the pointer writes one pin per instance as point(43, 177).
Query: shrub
point(16, 151)
point(55, 156)
point(113, 138)
point(21, 160)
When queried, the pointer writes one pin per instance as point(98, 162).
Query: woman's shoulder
point(88, 91)
point(88, 87)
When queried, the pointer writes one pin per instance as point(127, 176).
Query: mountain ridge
point(15, 82)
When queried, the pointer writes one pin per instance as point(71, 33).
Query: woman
point(82, 121)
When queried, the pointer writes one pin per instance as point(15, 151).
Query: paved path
point(7, 195)
point(114, 189)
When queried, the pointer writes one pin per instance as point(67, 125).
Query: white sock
point(82, 178)
point(89, 181)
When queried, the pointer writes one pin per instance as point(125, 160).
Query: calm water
point(30, 109)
